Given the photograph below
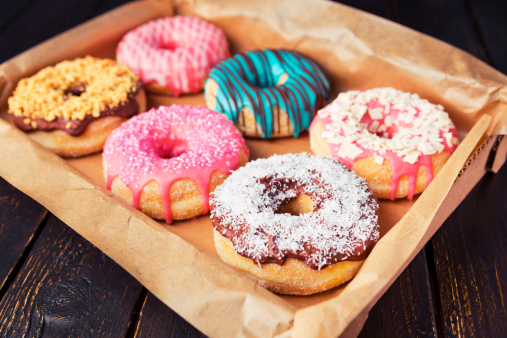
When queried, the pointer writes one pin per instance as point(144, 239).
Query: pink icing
point(175, 52)
point(399, 166)
point(172, 143)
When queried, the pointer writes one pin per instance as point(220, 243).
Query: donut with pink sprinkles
point(166, 162)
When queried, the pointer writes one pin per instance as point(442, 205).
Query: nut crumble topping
point(73, 90)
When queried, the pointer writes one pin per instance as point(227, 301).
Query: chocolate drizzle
point(75, 127)
point(250, 80)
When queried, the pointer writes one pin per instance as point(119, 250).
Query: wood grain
point(20, 218)
point(470, 262)
point(67, 287)
point(157, 320)
point(55, 283)
point(406, 309)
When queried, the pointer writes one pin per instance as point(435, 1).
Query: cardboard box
point(177, 262)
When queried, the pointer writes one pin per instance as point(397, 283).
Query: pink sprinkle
point(171, 143)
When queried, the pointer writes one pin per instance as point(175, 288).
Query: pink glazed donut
point(166, 162)
point(395, 140)
point(173, 55)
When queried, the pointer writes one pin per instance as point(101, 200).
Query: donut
point(269, 93)
point(397, 141)
point(73, 106)
point(173, 55)
point(297, 223)
point(166, 161)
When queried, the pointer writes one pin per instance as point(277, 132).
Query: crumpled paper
point(178, 263)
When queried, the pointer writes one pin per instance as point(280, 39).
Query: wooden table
point(55, 283)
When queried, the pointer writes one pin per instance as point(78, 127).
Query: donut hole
point(302, 204)
point(169, 45)
point(378, 128)
point(382, 124)
point(75, 90)
point(172, 149)
point(267, 81)
point(385, 135)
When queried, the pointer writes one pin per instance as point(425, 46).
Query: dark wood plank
point(25, 25)
point(491, 20)
point(446, 20)
point(466, 287)
point(470, 262)
point(67, 287)
point(406, 309)
point(372, 326)
point(20, 218)
point(157, 320)
point(418, 303)
point(387, 309)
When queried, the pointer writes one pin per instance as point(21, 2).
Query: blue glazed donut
point(270, 93)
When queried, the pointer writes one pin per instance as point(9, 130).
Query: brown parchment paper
point(178, 263)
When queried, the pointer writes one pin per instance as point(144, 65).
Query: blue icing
point(249, 80)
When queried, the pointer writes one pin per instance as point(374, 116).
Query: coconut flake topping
point(343, 222)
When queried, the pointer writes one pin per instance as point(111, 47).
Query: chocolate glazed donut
point(281, 191)
point(261, 229)
point(71, 107)
point(270, 93)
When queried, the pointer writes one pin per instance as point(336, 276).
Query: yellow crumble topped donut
point(73, 106)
